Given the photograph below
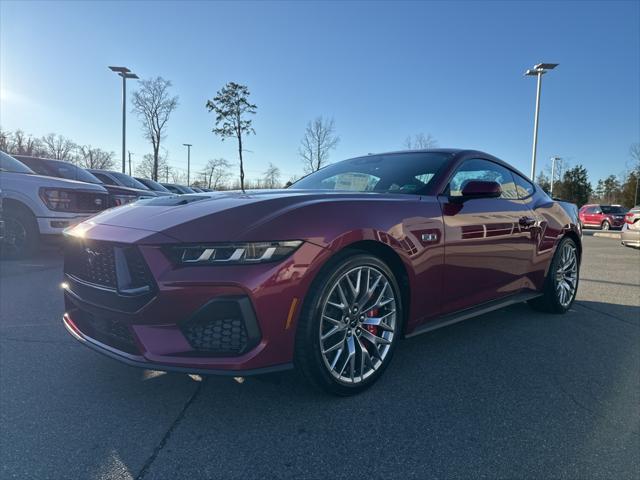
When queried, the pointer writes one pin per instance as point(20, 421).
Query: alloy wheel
point(358, 324)
point(605, 225)
point(567, 274)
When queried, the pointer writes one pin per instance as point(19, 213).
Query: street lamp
point(553, 172)
point(537, 71)
point(125, 73)
point(188, 145)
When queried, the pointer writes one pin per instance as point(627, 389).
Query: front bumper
point(57, 224)
point(164, 328)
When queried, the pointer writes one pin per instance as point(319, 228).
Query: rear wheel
point(21, 234)
point(561, 284)
point(606, 225)
point(350, 324)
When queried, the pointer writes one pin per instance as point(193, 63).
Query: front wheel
point(350, 324)
point(606, 225)
point(20, 235)
point(561, 284)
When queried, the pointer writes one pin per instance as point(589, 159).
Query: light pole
point(553, 172)
point(537, 71)
point(188, 145)
point(130, 163)
point(125, 73)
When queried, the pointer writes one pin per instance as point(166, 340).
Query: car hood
point(120, 190)
point(224, 216)
point(46, 181)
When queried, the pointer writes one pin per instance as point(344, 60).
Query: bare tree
point(5, 140)
point(153, 104)
point(318, 141)
point(59, 147)
point(178, 176)
point(21, 144)
point(144, 168)
point(93, 157)
point(272, 177)
point(420, 142)
point(231, 106)
point(216, 173)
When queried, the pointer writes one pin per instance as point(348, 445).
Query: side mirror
point(481, 189)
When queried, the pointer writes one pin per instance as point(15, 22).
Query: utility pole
point(553, 172)
point(125, 73)
point(537, 71)
point(188, 145)
point(129, 163)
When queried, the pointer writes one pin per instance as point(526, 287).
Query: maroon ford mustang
point(326, 275)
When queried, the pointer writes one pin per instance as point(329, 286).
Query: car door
point(489, 245)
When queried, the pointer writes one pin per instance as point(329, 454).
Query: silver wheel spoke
point(566, 275)
point(358, 324)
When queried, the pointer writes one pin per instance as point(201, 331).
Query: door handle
point(527, 221)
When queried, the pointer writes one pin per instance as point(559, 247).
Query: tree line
point(572, 184)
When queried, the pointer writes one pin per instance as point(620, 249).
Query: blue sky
point(381, 70)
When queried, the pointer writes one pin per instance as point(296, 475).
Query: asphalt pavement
point(510, 394)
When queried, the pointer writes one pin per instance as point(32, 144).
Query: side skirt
point(461, 315)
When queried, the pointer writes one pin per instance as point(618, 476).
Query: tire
point(21, 234)
point(564, 260)
point(606, 225)
point(354, 357)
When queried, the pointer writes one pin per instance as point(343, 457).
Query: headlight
point(233, 253)
point(118, 200)
point(56, 199)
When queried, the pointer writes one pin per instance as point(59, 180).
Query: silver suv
point(35, 206)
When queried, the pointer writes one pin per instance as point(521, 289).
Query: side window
point(523, 186)
point(478, 169)
point(103, 178)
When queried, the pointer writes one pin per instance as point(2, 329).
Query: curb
point(607, 235)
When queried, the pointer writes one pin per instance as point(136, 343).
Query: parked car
point(197, 189)
point(36, 206)
point(604, 217)
point(630, 235)
point(179, 189)
point(156, 187)
point(326, 275)
point(118, 195)
point(109, 177)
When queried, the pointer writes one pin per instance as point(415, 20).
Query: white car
point(35, 206)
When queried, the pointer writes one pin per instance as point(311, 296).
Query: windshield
point(153, 185)
point(10, 164)
point(72, 172)
point(611, 209)
point(127, 181)
point(407, 173)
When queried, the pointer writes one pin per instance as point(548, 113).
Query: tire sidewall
point(31, 232)
point(309, 325)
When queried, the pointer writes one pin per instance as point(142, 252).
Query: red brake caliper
point(372, 328)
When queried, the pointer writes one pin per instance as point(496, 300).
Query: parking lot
point(511, 394)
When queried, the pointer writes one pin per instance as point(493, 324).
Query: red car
point(326, 275)
point(604, 217)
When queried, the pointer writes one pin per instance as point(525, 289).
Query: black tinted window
point(393, 173)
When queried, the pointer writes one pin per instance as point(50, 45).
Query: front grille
point(91, 202)
point(106, 330)
point(223, 327)
point(96, 264)
point(108, 265)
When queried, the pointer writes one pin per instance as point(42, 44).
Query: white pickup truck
point(35, 206)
